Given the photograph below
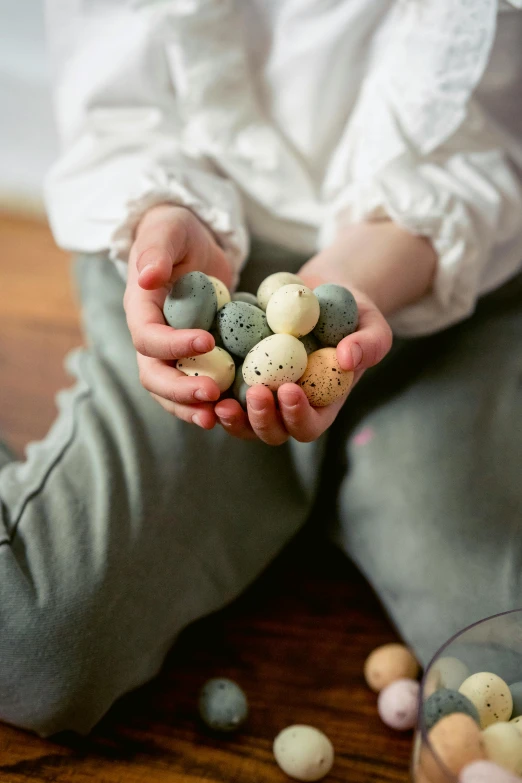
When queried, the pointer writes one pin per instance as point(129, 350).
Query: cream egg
point(503, 744)
point(275, 360)
point(304, 753)
point(216, 364)
point(222, 292)
point(490, 695)
point(270, 285)
point(292, 309)
point(324, 381)
point(389, 663)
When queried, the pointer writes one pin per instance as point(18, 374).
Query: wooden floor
point(296, 642)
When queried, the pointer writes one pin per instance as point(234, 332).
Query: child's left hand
point(295, 417)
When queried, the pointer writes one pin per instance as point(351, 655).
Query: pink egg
point(486, 772)
point(398, 704)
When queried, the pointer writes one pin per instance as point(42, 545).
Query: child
point(370, 143)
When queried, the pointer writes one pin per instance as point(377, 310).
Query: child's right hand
point(171, 241)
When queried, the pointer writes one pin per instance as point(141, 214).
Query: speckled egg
point(304, 753)
point(398, 704)
point(240, 388)
point(339, 314)
point(310, 342)
point(447, 672)
point(270, 285)
point(216, 364)
point(517, 722)
point(486, 772)
point(490, 695)
point(191, 302)
point(222, 292)
point(278, 359)
point(457, 741)
point(324, 381)
point(222, 705)
point(241, 326)
point(516, 694)
point(292, 309)
point(503, 744)
point(446, 702)
point(389, 663)
point(245, 296)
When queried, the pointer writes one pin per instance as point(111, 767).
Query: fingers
point(161, 242)
point(234, 420)
point(171, 384)
point(301, 421)
point(264, 418)
point(201, 415)
point(369, 344)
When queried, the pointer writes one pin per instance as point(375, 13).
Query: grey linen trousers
point(124, 525)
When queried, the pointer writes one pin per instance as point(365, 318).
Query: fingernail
point(357, 355)
point(147, 268)
point(290, 400)
point(196, 420)
point(201, 345)
point(255, 404)
point(201, 396)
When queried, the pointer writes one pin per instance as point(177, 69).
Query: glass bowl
point(491, 645)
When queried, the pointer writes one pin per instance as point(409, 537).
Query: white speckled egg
point(270, 285)
point(486, 772)
point(324, 381)
point(304, 753)
point(398, 704)
point(503, 745)
point(222, 292)
point(245, 296)
point(292, 309)
point(277, 359)
point(490, 695)
point(447, 672)
point(389, 663)
point(216, 364)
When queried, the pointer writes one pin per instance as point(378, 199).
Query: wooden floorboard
point(296, 642)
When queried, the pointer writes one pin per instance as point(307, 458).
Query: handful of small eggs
point(473, 721)
point(287, 333)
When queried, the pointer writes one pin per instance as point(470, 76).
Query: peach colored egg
point(389, 663)
point(503, 743)
point(324, 381)
point(398, 704)
point(456, 741)
point(487, 772)
point(490, 695)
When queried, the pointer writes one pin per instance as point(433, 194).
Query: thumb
point(159, 245)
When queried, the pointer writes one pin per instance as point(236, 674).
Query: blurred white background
point(27, 137)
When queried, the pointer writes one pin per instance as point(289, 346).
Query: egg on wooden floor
point(389, 663)
point(486, 772)
point(191, 302)
point(324, 381)
point(447, 702)
point(216, 364)
point(222, 705)
point(241, 326)
point(490, 695)
point(398, 704)
point(304, 753)
point(503, 744)
point(271, 283)
point(339, 315)
point(292, 309)
point(274, 361)
point(457, 741)
point(222, 292)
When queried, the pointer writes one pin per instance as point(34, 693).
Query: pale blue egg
point(191, 303)
point(241, 326)
point(339, 315)
point(222, 705)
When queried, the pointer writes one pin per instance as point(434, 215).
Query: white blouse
point(288, 118)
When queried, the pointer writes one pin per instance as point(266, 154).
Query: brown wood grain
point(296, 642)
